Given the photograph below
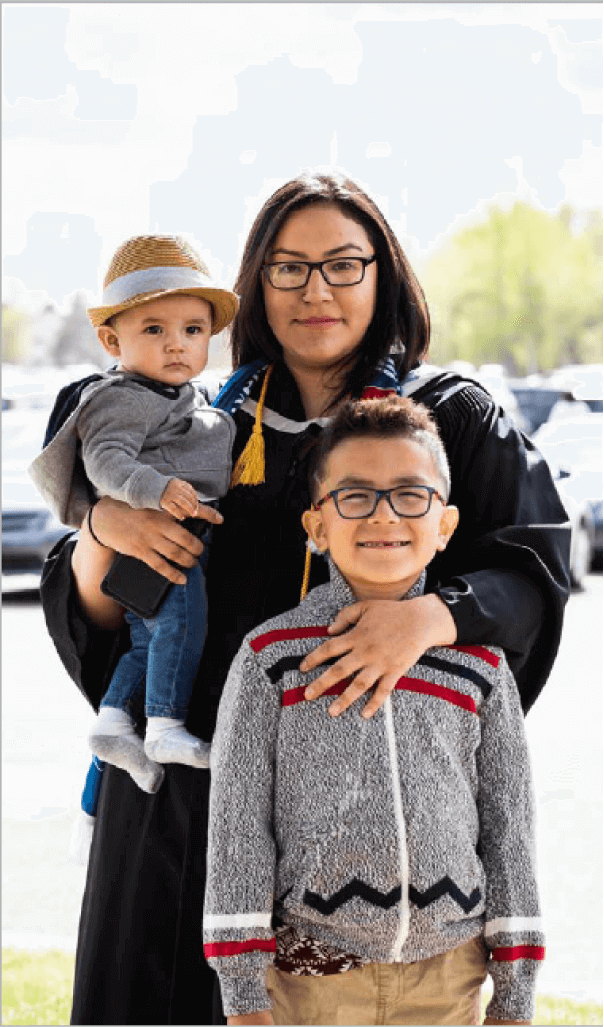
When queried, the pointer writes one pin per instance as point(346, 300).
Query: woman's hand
point(385, 639)
point(150, 535)
point(264, 1016)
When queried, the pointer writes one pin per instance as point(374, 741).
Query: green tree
point(523, 289)
point(15, 335)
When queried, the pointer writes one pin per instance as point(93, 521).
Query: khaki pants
point(441, 990)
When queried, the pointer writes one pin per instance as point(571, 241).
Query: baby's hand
point(179, 499)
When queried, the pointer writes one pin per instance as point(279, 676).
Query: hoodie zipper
point(403, 930)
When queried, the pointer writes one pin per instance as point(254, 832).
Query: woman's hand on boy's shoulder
point(376, 641)
point(263, 1017)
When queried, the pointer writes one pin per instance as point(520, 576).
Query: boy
point(148, 439)
point(377, 862)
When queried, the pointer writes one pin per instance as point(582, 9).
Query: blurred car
point(29, 529)
point(584, 531)
point(37, 387)
point(584, 381)
point(494, 379)
point(585, 485)
point(573, 450)
point(537, 403)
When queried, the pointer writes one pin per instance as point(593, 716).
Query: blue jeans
point(164, 650)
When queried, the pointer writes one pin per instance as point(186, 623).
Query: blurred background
point(477, 130)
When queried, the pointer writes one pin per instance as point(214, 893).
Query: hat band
point(154, 279)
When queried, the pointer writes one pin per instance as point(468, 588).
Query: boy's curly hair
point(381, 418)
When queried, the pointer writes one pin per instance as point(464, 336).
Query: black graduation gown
point(503, 576)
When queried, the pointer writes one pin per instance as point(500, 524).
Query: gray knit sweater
point(135, 436)
point(397, 838)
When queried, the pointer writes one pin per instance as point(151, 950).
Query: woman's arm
point(90, 562)
point(149, 535)
point(503, 579)
point(505, 574)
point(81, 621)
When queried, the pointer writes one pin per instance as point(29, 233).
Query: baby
point(147, 438)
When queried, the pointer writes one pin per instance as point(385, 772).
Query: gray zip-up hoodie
point(397, 838)
point(135, 436)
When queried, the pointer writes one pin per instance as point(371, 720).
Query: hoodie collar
point(161, 388)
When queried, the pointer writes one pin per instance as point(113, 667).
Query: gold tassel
point(249, 469)
point(306, 577)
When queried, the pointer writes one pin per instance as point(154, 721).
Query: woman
point(327, 296)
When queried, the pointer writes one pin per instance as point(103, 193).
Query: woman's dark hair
point(400, 324)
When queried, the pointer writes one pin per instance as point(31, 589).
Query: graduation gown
point(504, 577)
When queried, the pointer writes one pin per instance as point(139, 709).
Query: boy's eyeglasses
point(354, 503)
point(295, 274)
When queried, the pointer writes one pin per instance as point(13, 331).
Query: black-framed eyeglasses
point(295, 274)
point(356, 502)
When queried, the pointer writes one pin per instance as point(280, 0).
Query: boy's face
point(166, 339)
point(383, 555)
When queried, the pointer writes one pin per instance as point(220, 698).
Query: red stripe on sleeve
point(235, 948)
point(293, 696)
point(296, 695)
point(283, 634)
point(508, 955)
point(479, 651)
point(438, 691)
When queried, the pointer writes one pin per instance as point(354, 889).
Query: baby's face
point(166, 339)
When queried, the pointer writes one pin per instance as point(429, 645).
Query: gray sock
point(127, 751)
point(170, 742)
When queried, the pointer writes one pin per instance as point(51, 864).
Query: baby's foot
point(127, 751)
point(177, 745)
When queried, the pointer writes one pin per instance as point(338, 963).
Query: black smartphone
point(136, 586)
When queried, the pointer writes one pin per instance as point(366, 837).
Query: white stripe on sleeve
point(226, 920)
point(512, 924)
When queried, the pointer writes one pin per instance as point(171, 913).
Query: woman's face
point(319, 324)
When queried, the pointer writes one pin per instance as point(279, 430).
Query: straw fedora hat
point(148, 267)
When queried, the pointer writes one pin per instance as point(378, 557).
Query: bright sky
point(127, 118)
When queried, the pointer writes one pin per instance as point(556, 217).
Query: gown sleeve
point(504, 575)
point(88, 653)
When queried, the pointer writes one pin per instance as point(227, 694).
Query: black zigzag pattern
point(354, 887)
point(443, 887)
point(364, 891)
point(463, 672)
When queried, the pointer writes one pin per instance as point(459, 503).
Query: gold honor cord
point(249, 469)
